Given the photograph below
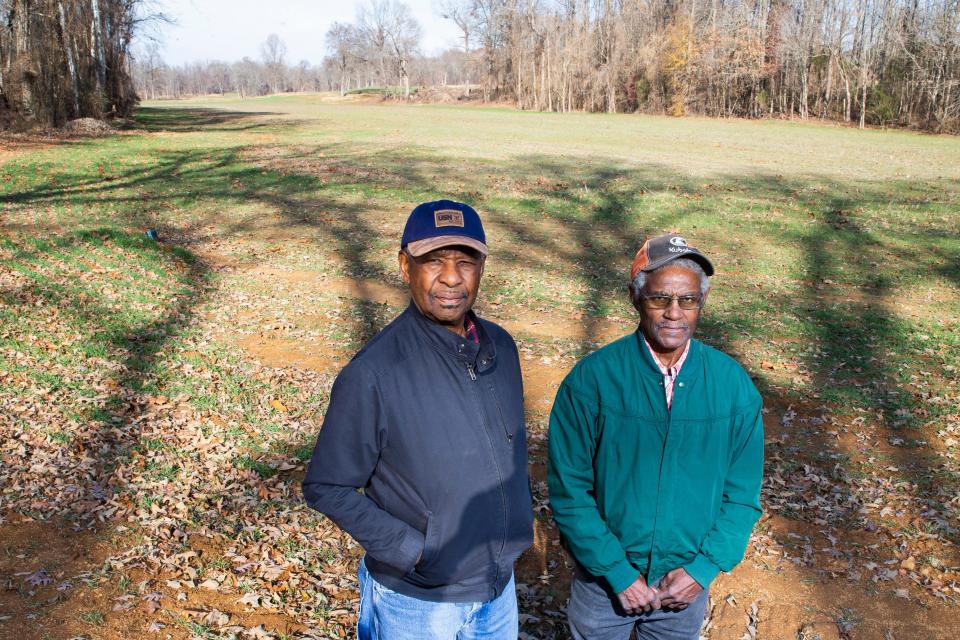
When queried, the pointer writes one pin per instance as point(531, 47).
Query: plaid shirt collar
point(471, 330)
point(669, 373)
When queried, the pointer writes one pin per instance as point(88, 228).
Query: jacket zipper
point(663, 461)
point(496, 464)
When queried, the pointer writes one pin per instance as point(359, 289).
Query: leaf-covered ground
point(158, 399)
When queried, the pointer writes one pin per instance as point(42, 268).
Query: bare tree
point(273, 52)
point(62, 59)
point(344, 49)
point(372, 20)
point(462, 13)
point(403, 34)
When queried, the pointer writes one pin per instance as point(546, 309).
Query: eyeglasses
point(686, 303)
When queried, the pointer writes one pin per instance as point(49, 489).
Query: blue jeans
point(388, 615)
point(595, 613)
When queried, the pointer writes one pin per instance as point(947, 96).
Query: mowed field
point(159, 399)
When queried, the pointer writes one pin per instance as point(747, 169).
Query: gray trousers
point(595, 613)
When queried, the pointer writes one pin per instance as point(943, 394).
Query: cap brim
point(694, 255)
point(420, 247)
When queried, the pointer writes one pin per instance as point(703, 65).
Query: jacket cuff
point(411, 547)
point(702, 570)
point(621, 575)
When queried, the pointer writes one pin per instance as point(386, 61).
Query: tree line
point(271, 72)
point(876, 62)
point(155, 79)
point(379, 50)
point(65, 59)
point(872, 61)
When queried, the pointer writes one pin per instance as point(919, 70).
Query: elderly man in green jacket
point(656, 461)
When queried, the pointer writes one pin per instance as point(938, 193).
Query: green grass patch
point(263, 469)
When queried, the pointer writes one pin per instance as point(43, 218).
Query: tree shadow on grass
point(600, 210)
point(600, 227)
point(98, 366)
point(197, 119)
point(124, 325)
point(854, 417)
point(588, 218)
point(852, 276)
point(598, 207)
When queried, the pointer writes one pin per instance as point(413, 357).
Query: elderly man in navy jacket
point(427, 419)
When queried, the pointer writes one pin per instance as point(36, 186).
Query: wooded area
point(878, 62)
point(65, 59)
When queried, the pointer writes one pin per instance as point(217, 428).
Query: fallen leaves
point(211, 585)
point(251, 600)
point(39, 578)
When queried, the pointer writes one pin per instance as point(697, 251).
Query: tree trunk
point(804, 92)
point(23, 74)
point(71, 64)
point(825, 107)
point(847, 103)
point(863, 107)
point(96, 46)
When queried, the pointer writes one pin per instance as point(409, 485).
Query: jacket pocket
point(447, 561)
point(430, 536)
point(510, 431)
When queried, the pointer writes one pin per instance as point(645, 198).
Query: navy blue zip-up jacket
point(430, 425)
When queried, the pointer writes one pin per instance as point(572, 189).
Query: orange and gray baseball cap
point(443, 223)
point(658, 251)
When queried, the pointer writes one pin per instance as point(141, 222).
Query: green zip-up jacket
point(637, 489)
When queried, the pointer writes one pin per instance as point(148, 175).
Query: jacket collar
point(650, 368)
point(447, 342)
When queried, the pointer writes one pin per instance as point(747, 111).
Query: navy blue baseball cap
point(443, 223)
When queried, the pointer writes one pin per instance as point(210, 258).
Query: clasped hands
point(676, 590)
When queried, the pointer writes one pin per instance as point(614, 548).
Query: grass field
point(158, 399)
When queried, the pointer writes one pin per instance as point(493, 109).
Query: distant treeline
point(65, 59)
point(381, 50)
point(876, 62)
point(155, 79)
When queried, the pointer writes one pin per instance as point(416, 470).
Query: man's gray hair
point(636, 287)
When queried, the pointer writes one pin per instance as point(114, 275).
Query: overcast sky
point(228, 30)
